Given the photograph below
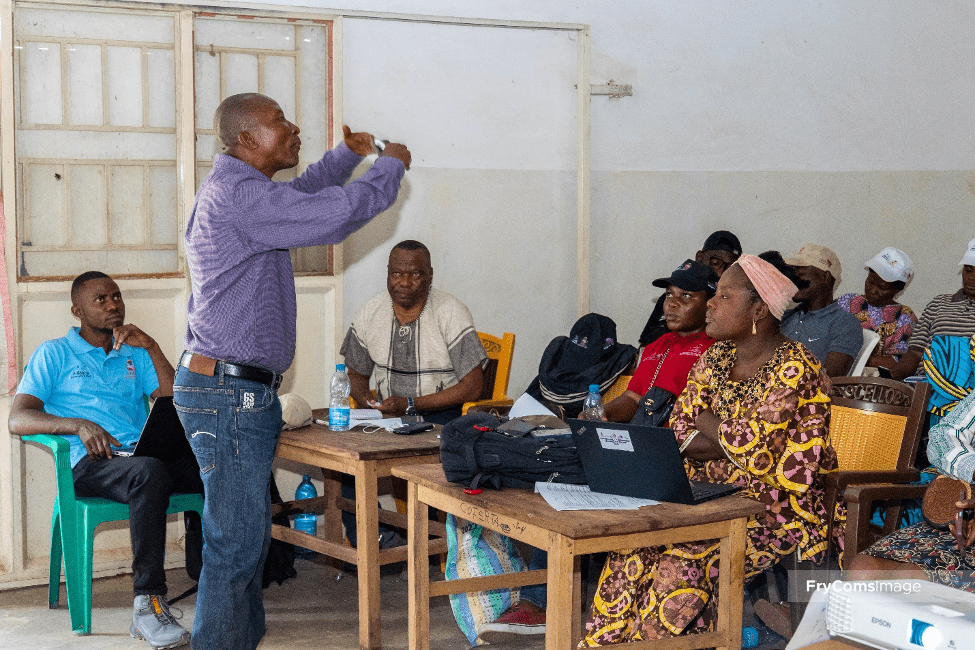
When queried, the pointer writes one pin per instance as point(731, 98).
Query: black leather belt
point(202, 365)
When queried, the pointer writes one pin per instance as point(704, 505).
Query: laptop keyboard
point(702, 491)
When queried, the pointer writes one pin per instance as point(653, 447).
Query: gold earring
point(754, 328)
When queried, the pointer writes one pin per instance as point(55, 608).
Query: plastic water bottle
point(339, 400)
point(593, 405)
point(305, 523)
point(751, 638)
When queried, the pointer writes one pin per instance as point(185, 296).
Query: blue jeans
point(233, 425)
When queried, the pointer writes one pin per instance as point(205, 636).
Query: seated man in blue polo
point(90, 386)
point(832, 334)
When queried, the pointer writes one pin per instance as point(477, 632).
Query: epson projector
point(903, 614)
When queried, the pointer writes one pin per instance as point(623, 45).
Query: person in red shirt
point(666, 361)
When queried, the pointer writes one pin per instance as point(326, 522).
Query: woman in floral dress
point(754, 413)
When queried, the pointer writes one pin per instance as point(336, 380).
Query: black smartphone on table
point(410, 428)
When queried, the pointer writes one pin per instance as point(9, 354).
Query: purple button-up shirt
point(242, 302)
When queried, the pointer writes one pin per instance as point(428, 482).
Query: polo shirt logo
point(80, 374)
point(130, 369)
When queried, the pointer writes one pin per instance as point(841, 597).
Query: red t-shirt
point(680, 354)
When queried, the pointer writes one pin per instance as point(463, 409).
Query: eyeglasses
point(718, 264)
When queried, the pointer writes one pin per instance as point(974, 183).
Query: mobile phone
point(379, 145)
point(413, 427)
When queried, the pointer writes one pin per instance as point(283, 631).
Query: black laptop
point(162, 436)
point(637, 461)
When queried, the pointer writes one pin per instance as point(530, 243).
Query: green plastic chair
point(73, 532)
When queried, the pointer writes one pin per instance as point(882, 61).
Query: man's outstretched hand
point(398, 151)
point(361, 142)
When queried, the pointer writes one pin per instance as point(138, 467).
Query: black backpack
point(475, 453)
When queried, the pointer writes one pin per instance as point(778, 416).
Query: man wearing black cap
point(666, 361)
point(719, 251)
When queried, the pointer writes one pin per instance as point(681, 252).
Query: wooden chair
point(875, 429)
point(495, 379)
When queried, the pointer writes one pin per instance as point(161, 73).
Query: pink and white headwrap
point(772, 285)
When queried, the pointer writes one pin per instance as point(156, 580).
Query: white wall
point(489, 115)
point(848, 123)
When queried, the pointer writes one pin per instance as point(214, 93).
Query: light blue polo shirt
point(75, 379)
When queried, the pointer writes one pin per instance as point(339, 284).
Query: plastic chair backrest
point(870, 339)
point(876, 423)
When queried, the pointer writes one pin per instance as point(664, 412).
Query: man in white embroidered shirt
point(418, 342)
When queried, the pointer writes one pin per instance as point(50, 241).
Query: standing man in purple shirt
point(241, 332)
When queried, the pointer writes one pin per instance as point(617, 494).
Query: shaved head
point(235, 115)
point(81, 280)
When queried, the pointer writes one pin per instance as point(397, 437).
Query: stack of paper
point(564, 496)
point(365, 414)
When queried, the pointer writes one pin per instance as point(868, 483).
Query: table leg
point(418, 578)
point(732, 566)
point(562, 600)
point(332, 516)
point(367, 555)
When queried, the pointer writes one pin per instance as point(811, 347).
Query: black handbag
point(655, 407)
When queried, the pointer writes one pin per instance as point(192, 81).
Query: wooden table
point(368, 457)
point(565, 536)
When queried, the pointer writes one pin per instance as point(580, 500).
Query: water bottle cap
point(594, 388)
point(340, 366)
point(306, 477)
point(751, 637)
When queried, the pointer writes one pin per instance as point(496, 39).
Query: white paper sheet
point(564, 496)
point(383, 423)
point(527, 405)
point(365, 414)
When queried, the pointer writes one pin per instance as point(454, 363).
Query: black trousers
point(145, 485)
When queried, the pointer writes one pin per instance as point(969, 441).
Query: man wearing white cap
point(950, 314)
point(833, 335)
point(888, 274)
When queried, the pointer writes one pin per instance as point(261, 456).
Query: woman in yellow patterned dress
point(754, 413)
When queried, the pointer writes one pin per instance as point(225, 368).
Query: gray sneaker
point(152, 621)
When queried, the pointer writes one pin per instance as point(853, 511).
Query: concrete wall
point(848, 123)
